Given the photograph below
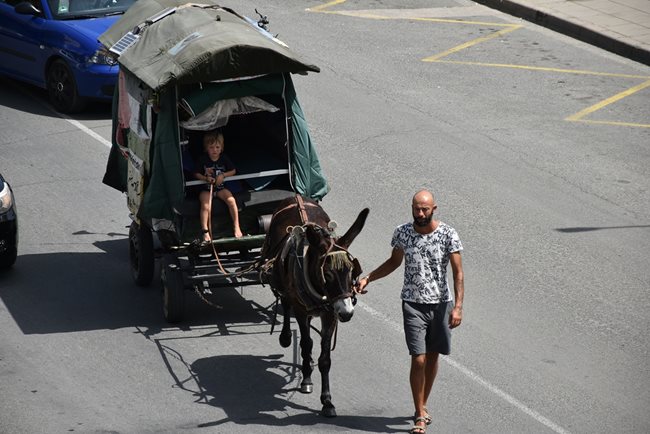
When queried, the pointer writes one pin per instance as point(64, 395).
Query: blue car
point(53, 44)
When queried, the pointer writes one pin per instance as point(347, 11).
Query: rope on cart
point(214, 250)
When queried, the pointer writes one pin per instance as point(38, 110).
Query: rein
point(214, 250)
point(295, 248)
point(339, 260)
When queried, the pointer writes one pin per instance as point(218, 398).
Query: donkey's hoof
point(306, 388)
point(285, 340)
point(328, 411)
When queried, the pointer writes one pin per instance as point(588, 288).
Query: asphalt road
point(537, 147)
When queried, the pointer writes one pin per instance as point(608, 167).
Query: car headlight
point(6, 199)
point(102, 57)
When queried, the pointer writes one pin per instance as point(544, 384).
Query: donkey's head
point(332, 268)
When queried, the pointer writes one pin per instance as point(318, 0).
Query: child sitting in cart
point(214, 167)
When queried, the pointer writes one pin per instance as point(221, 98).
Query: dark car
point(53, 44)
point(8, 226)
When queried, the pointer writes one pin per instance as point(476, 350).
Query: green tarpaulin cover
point(199, 44)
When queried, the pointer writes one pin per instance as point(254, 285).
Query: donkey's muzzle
point(344, 309)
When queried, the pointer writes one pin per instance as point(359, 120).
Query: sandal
point(427, 416)
point(419, 429)
point(200, 242)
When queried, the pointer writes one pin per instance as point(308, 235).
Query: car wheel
point(62, 88)
point(141, 255)
point(173, 290)
point(8, 258)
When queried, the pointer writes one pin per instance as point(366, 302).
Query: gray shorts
point(426, 327)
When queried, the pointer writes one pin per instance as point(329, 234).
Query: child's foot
point(238, 233)
point(206, 235)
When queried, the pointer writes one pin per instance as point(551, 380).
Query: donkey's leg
point(285, 334)
point(328, 321)
point(306, 345)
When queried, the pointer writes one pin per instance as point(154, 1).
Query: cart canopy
point(171, 41)
point(174, 52)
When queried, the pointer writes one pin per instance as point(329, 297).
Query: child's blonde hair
point(212, 137)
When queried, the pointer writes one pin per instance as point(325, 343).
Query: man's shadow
point(253, 389)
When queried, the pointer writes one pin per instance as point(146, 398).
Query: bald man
point(430, 311)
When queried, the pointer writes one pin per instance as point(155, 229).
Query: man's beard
point(423, 221)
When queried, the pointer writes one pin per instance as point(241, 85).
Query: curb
point(570, 29)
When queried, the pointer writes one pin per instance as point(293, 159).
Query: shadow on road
point(70, 292)
point(31, 99)
point(248, 388)
point(597, 228)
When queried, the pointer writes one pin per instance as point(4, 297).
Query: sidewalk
point(619, 26)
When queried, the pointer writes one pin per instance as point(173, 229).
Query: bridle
point(296, 248)
point(339, 259)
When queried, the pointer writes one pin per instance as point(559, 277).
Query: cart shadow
point(69, 292)
point(258, 390)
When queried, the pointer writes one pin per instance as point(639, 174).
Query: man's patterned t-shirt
point(425, 262)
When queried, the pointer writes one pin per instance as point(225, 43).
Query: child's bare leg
point(204, 213)
point(227, 197)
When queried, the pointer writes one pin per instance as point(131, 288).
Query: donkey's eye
point(329, 275)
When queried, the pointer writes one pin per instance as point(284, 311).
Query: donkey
point(312, 272)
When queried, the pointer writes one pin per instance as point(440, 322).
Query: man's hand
point(361, 284)
point(456, 317)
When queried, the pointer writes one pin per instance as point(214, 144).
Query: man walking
point(429, 310)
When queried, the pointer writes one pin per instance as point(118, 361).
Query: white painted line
point(86, 130)
point(474, 377)
point(398, 327)
point(77, 124)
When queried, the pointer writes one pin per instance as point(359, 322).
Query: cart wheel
point(141, 254)
point(173, 289)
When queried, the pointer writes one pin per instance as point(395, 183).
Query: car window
point(73, 9)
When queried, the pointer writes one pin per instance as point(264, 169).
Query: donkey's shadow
point(255, 389)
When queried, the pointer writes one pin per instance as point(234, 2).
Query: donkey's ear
point(315, 239)
point(354, 230)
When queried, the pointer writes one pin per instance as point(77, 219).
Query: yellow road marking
point(509, 28)
point(620, 124)
point(453, 21)
point(541, 68)
point(604, 103)
point(322, 7)
point(471, 43)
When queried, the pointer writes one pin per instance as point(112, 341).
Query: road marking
point(474, 376)
point(471, 43)
point(623, 124)
point(321, 8)
point(475, 10)
point(544, 68)
point(408, 15)
point(75, 123)
point(604, 103)
point(86, 130)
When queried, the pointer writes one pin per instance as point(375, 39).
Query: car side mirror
point(26, 8)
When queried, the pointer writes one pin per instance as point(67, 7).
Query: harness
point(292, 261)
point(295, 259)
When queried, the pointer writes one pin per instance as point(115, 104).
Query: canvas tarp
point(198, 43)
point(164, 185)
